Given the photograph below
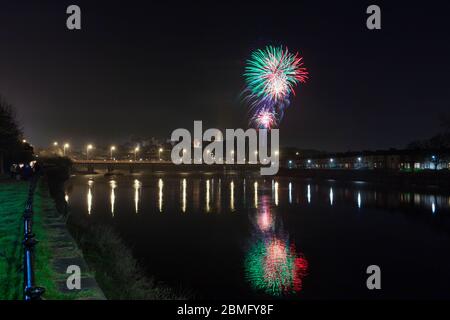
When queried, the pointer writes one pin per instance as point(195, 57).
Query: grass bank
point(12, 204)
point(116, 270)
point(13, 196)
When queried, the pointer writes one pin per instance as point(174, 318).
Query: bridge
point(112, 166)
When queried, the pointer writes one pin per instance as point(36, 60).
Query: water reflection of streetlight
point(255, 186)
point(137, 188)
point(113, 186)
point(309, 193)
point(207, 195)
point(290, 192)
point(276, 193)
point(244, 186)
point(183, 206)
point(160, 194)
point(331, 196)
point(89, 196)
point(359, 200)
point(232, 195)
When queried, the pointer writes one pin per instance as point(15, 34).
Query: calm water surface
point(247, 237)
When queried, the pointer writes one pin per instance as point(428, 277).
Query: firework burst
point(264, 119)
point(273, 72)
point(271, 75)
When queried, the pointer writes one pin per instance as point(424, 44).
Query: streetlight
point(232, 156)
point(433, 160)
point(159, 153)
point(135, 152)
point(112, 149)
point(55, 143)
point(24, 141)
point(88, 147)
point(66, 145)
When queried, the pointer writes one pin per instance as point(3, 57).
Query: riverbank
point(51, 250)
point(116, 270)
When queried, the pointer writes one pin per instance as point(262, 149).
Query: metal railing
point(30, 291)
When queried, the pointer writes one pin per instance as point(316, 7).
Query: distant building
point(393, 159)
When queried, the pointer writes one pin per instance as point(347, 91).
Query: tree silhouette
point(11, 146)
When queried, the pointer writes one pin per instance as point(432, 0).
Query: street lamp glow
point(359, 159)
point(88, 147)
point(331, 160)
point(309, 160)
point(159, 153)
point(113, 148)
point(66, 145)
point(55, 143)
point(136, 150)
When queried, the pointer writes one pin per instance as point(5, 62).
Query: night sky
point(142, 68)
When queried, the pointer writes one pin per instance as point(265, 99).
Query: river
point(249, 237)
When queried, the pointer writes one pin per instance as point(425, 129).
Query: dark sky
point(147, 68)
